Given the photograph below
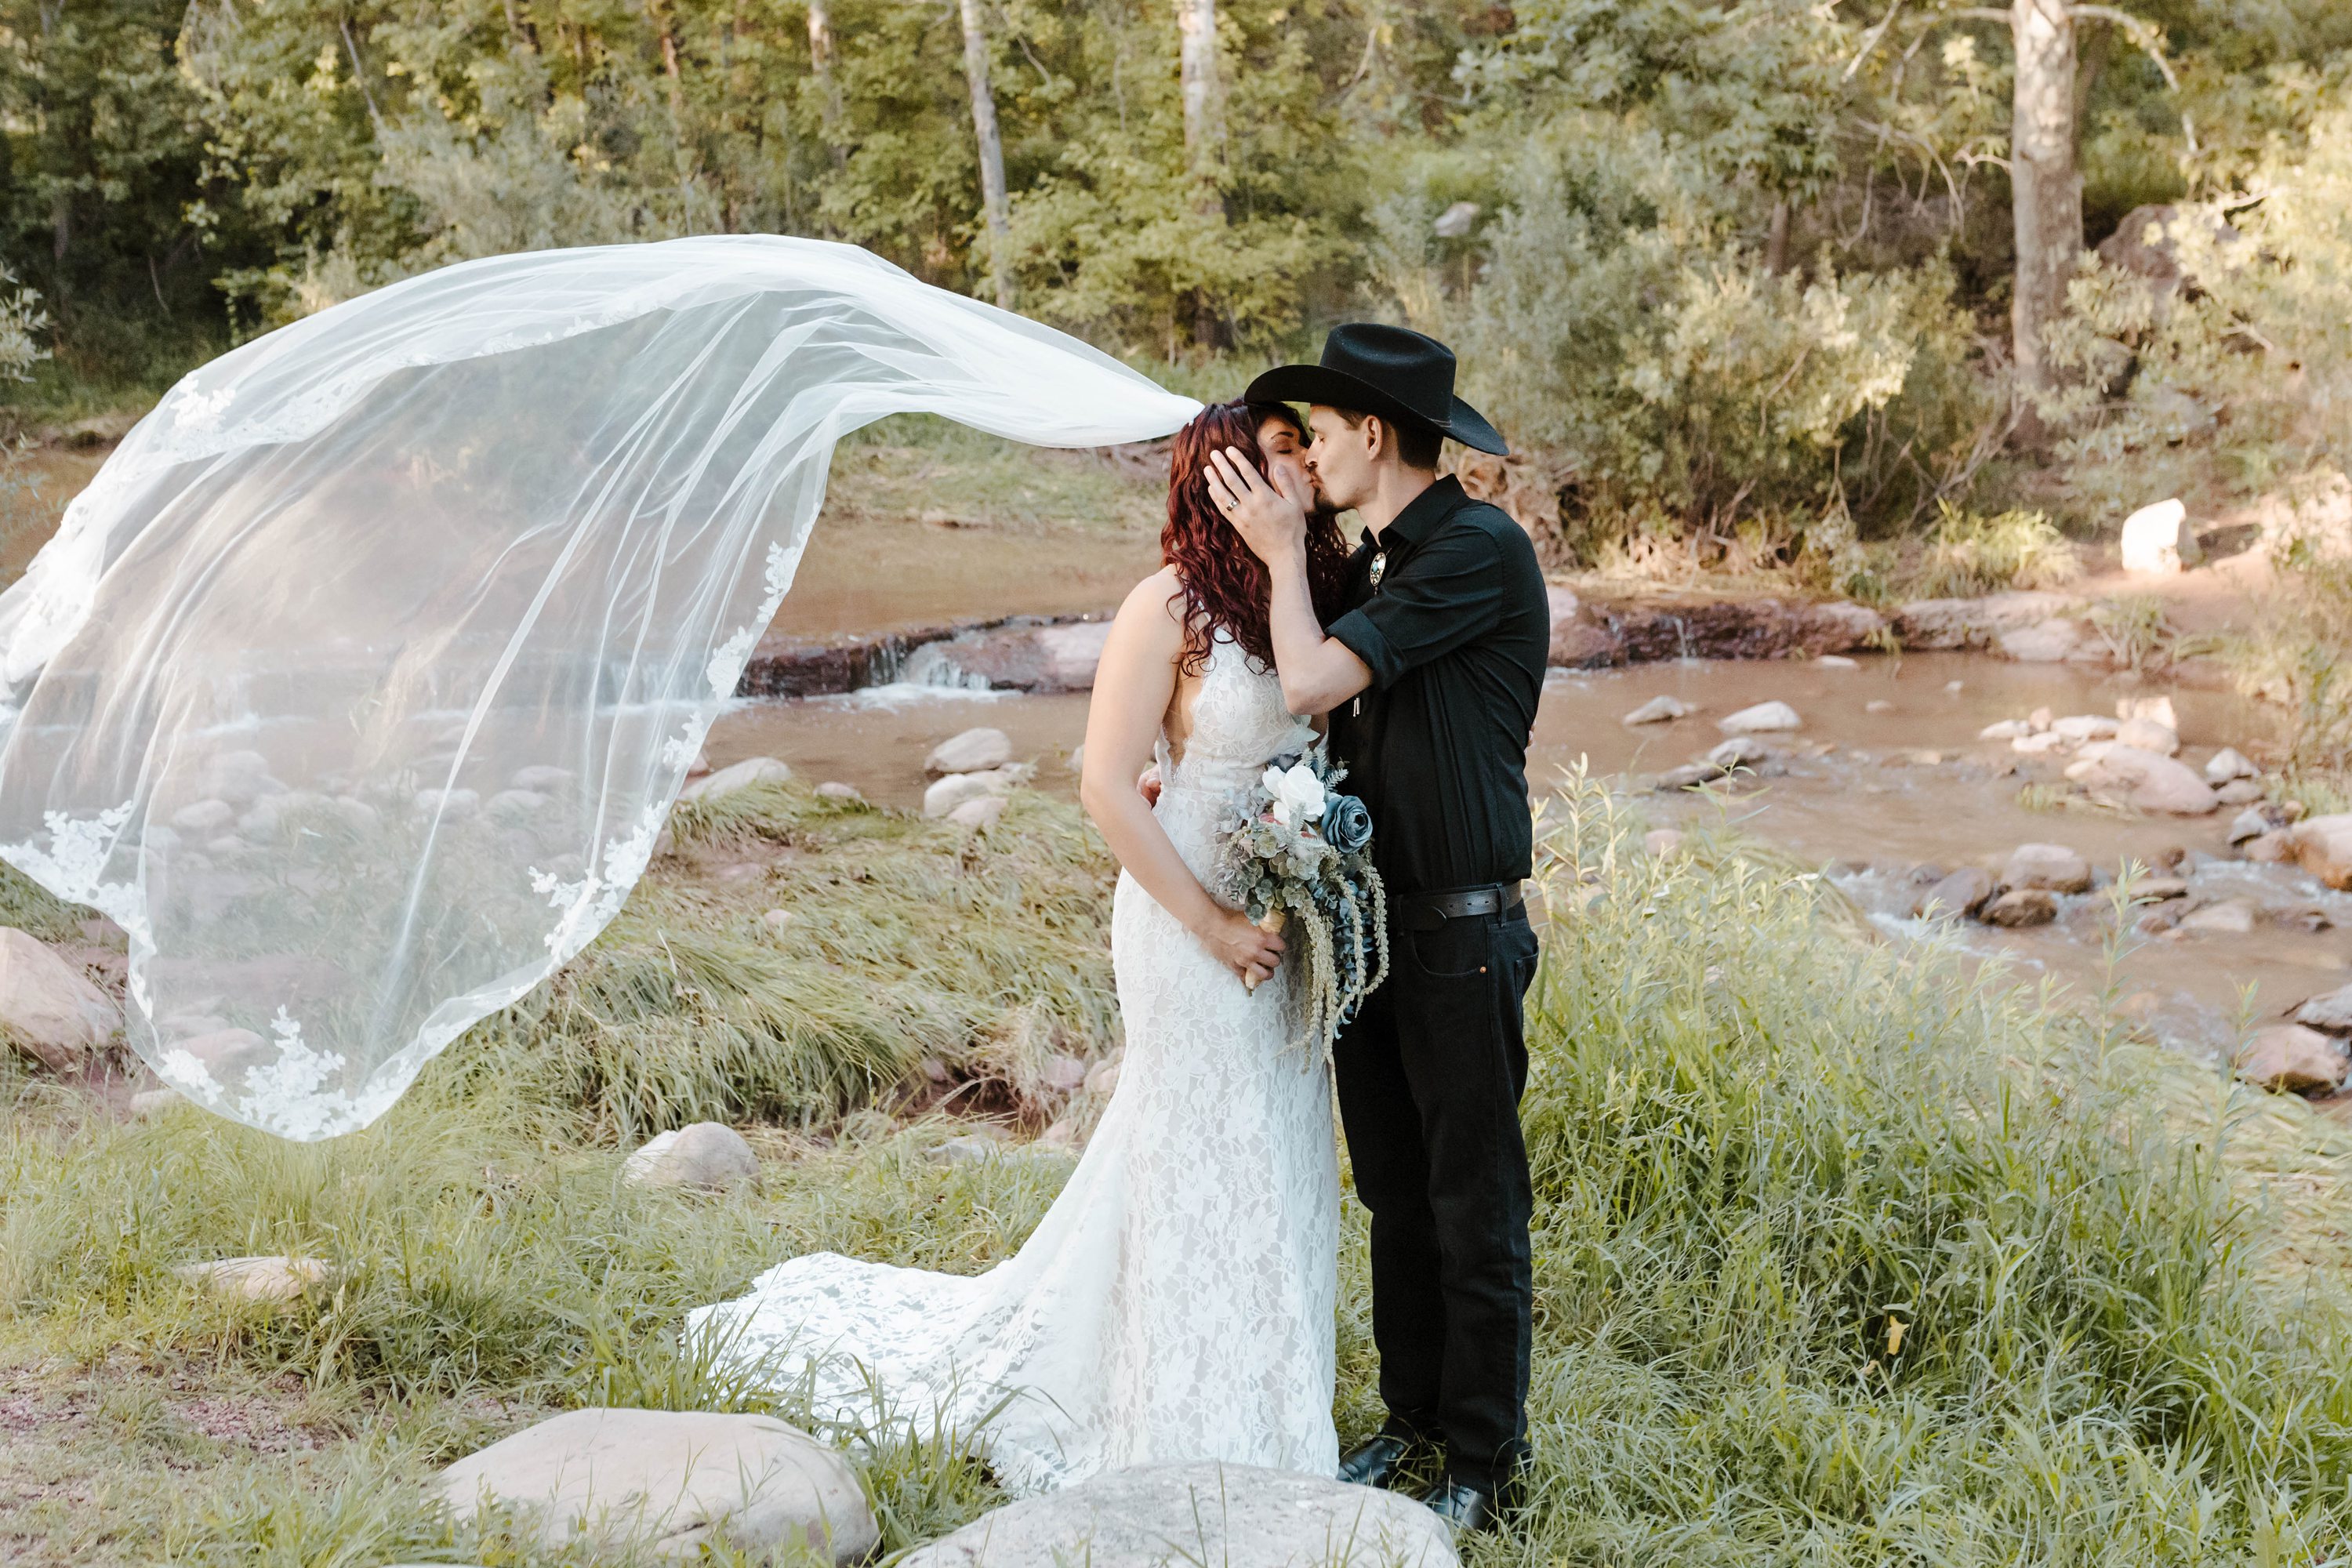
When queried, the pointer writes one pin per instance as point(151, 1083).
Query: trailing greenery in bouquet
point(1296, 847)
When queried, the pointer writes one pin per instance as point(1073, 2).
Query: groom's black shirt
point(1456, 636)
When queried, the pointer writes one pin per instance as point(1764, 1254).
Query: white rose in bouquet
point(1298, 795)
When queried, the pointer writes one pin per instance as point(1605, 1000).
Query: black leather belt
point(1427, 911)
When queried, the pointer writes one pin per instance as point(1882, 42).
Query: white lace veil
point(358, 684)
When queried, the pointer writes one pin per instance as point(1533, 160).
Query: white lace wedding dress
point(1176, 1302)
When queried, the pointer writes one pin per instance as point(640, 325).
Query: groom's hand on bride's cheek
point(1271, 521)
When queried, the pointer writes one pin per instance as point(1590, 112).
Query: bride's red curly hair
point(1225, 584)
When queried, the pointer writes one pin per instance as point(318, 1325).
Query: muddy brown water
point(1871, 797)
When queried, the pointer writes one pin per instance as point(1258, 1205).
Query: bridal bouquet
point(1296, 846)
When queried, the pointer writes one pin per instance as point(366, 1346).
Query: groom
point(1430, 678)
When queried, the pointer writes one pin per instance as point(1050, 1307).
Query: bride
point(1176, 1303)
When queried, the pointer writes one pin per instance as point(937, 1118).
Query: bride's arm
point(1133, 687)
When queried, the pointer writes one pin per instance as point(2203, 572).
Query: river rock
point(2159, 889)
point(945, 795)
point(202, 818)
point(2078, 728)
point(1741, 752)
point(2052, 641)
point(737, 775)
point(707, 1154)
point(1764, 718)
point(2156, 708)
point(2275, 848)
point(683, 1484)
point(276, 1279)
point(1169, 1516)
point(2249, 823)
point(2148, 736)
point(2005, 730)
point(1964, 892)
point(1941, 624)
point(2228, 763)
point(448, 804)
point(973, 752)
point(2021, 907)
point(985, 811)
point(2331, 1014)
point(48, 1009)
point(1690, 775)
point(2231, 917)
point(2241, 792)
point(2323, 847)
point(2292, 1060)
point(1662, 843)
point(2038, 744)
point(1658, 710)
point(2051, 866)
point(1836, 661)
point(2157, 539)
point(2149, 782)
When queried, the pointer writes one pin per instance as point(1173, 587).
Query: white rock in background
point(945, 795)
point(48, 1009)
point(2148, 735)
point(2248, 825)
point(2149, 782)
point(985, 812)
point(2331, 1013)
point(2156, 708)
point(1836, 661)
point(833, 789)
point(737, 775)
point(707, 1154)
point(1455, 221)
point(2038, 744)
point(1658, 710)
point(681, 1484)
point(2291, 1058)
point(256, 1278)
point(2231, 917)
point(2229, 763)
point(1764, 718)
point(2078, 728)
point(1166, 1516)
point(2157, 539)
point(2241, 792)
point(973, 752)
point(2051, 866)
point(2005, 730)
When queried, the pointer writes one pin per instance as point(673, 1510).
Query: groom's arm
point(1317, 672)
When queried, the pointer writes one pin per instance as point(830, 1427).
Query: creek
point(1885, 777)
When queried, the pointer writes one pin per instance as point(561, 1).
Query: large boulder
point(2020, 907)
point(680, 1485)
point(2291, 1058)
point(1172, 1516)
point(707, 1154)
point(2144, 779)
point(2054, 640)
point(737, 775)
point(1926, 624)
point(2323, 847)
point(2051, 866)
point(1579, 639)
point(48, 1009)
point(972, 752)
point(2159, 540)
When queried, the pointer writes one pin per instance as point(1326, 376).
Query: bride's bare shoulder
point(1156, 603)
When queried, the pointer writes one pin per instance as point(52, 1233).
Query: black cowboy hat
point(1389, 370)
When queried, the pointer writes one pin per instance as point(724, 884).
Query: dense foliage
point(1716, 263)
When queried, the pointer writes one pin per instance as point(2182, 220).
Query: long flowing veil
point(357, 685)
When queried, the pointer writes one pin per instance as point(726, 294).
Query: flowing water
point(1870, 796)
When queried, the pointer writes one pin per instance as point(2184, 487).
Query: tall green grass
point(1843, 1257)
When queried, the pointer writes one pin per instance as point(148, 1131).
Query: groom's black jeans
point(1429, 1075)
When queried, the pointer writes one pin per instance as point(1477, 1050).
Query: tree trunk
point(828, 88)
point(2048, 189)
point(992, 151)
point(1204, 103)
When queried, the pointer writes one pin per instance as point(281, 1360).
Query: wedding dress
point(1176, 1302)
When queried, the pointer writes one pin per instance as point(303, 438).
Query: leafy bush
point(1965, 554)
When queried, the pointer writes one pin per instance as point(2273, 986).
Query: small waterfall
point(931, 666)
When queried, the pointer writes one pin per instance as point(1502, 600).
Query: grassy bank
point(1842, 1258)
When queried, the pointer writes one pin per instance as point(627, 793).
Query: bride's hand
point(1240, 946)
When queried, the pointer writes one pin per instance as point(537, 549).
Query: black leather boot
point(1465, 1509)
point(1379, 1462)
